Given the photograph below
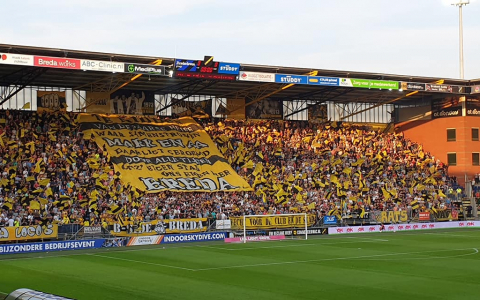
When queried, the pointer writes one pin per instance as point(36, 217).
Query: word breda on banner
point(155, 156)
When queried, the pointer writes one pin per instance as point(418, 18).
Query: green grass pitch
point(437, 264)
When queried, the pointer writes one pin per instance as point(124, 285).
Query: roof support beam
point(346, 91)
point(27, 77)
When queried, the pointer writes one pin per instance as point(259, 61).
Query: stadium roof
point(102, 81)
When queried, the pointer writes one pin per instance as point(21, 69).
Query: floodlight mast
point(460, 4)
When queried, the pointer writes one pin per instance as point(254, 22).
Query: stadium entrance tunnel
point(28, 294)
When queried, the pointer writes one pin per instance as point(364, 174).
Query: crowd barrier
point(403, 227)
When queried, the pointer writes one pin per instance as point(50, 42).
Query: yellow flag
point(34, 205)
point(44, 182)
point(258, 169)
point(26, 106)
point(386, 194)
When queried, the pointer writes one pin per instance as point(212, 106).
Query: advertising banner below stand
point(50, 246)
point(299, 232)
point(403, 227)
point(145, 69)
point(261, 238)
point(194, 237)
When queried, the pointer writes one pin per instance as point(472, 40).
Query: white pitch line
point(142, 262)
point(302, 245)
point(328, 259)
point(429, 257)
point(447, 234)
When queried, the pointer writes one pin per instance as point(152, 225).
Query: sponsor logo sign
point(33, 232)
point(144, 69)
point(92, 230)
point(443, 88)
point(261, 238)
point(16, 59)
point(317, 80)
point(369, 84)
point(298, 232)
point(256, 76)
point(265, 222)
point(105, 66)
point(186, 65)
point(402, 227)
point(194, 237)
point(447, 107)
point(228, 68)
point(223, 224)
point(294, 79)
point(473, 107)
point(57, 62)
point(476, 89)
point(330, 220)
point(50, 246)
point(145, 240)
point(424, 216)
point(412, 86)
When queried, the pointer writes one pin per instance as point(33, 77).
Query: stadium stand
point(50, 174)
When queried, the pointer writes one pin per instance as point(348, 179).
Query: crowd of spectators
point(51, 174)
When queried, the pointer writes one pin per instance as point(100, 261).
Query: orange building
point(452, 139)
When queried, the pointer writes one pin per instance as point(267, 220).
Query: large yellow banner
point(34, 232)
point(159, 227)
point(266, 222)
point(154, 156)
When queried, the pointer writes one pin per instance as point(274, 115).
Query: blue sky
point(411, 37)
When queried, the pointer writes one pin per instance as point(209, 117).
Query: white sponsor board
point(16, 59)
point(104, 66)
point(145, 240)
point(256, 76)
point(403, 227)
point(223, 224)
point(92, 229)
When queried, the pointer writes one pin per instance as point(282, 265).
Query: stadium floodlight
point(460, 4)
